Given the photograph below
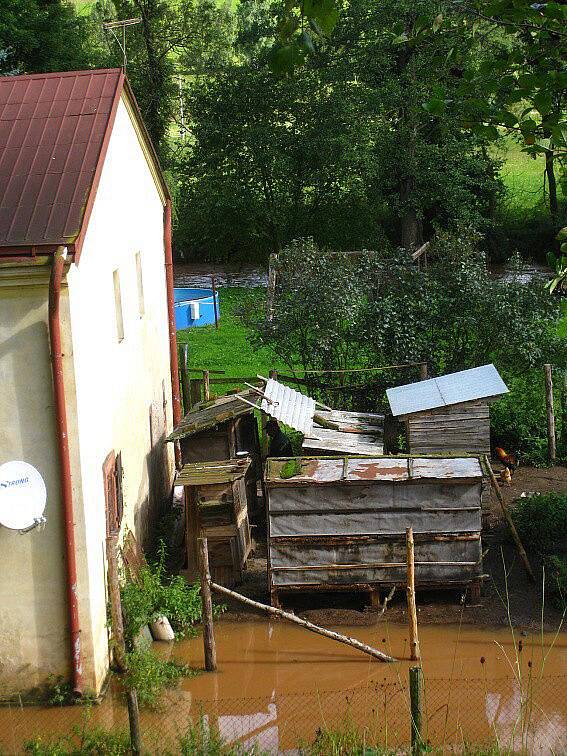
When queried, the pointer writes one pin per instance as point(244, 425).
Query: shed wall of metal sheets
point(341, 522)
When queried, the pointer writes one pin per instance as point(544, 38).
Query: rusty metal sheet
point(460, 467)
point(289, 406)
point(52, 128)
point(482, 382)
point(385, 468)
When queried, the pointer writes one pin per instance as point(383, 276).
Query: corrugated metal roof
point(289, 406)
point(465, 386)
point(211, 473)
point(52, 128)
point(209, 414)
point(393, 469)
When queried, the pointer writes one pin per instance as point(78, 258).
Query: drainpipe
point(65, 464)
point(175, 395)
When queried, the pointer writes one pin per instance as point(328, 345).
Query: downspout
point(173, 360)
point(65, 463)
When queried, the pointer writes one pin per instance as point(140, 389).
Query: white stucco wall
point(117, 382)
point(111, 389)
point(33, 624)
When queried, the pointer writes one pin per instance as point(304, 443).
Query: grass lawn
point(228, 348)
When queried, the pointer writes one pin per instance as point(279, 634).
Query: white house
point(87, 358)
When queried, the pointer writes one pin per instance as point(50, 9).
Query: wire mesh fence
point(459, 715)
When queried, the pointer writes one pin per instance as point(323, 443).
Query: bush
point(149, 675)
point(541, 521)
point(82, 742)
point(153, 594)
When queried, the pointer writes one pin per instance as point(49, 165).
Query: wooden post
point(551, 443)
point(412, 613)
point(214, 287)
point(134, 719)
point(275, 612)
point(185, 377)
point(515, 536)
point(195, 390)
point(206, 385)
point(208, 631)
point(119, 646)
point(423, 371)
point(416, 707)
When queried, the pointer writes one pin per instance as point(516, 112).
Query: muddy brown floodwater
point(278, 684)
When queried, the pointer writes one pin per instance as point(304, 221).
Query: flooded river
point(277, 685)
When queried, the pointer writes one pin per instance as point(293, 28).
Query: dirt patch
point(507, 595)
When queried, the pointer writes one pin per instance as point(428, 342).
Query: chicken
point(506, 476)
point(510, 461)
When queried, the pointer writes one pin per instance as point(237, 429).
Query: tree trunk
point(551, 180)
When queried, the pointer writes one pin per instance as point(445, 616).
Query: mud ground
point(507, 595)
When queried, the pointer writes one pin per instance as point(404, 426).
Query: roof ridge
point(60, 74)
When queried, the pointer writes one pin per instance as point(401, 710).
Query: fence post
point(214, 288)
point(134, 720)
point(207, 603)
point(119, 646)
point(185, 377)
point(195, 390)
point(206, 385)
point(412, 612)
point(416, 707)
point(551, 448)
point(423, 371)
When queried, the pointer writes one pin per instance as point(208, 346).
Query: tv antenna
point(111, 26)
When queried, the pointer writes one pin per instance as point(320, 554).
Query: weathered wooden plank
point(375, 522)
point(438, 575)
point(376, 496)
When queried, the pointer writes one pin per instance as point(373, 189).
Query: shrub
point(154, 594)
point(82, 742)
point(149, 675)
point(541, 521)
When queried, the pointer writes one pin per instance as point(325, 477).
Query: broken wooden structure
point(340, 523)
point(450, 413)
point(216, 509)
point(356, 433)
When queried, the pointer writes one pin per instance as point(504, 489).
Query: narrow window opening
point(140, 280)
point(118, 307)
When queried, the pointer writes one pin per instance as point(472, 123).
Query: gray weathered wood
point(416, 709)
point(208, 629)
point(303, 623)
point(134, 720)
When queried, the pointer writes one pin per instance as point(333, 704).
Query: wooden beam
point(303, 623)
point(551, 440)
point(410, 589)
point(515, 536)
point(207, 603)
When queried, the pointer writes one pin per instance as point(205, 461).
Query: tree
point(342, 150)
point(45, 35)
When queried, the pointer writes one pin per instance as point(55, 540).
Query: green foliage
point(558, 263)
point(44, 35)
point(542, 521)
point(149, 675)
point(154, 594)
point(84, 741)
point(343, 152)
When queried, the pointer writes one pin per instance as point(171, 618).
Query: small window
point(118, 307)
point(140, 280)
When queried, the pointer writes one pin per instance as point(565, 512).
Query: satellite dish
point(23, 496)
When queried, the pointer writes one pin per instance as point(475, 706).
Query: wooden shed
point(217, 510)
point(340, 523)
point(450, 413)
point(222, 429)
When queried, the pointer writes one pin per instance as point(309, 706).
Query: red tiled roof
point(54, 129)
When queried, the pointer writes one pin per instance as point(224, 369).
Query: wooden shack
point(355, 433)
point(216, 508)
point(340, 523)
point(222, 429)
point(450, 413)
